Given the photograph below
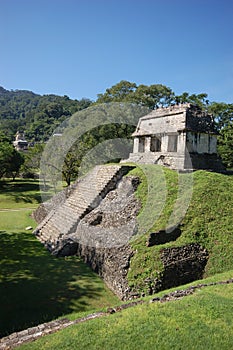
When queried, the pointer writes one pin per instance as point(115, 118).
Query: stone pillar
point(181, 143)
point(136, 145)
point(147, 143)
point(164, 143)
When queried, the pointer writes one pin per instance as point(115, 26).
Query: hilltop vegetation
point(37, 115)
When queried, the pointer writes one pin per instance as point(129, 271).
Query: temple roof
point(183, 117)
point(166, 111)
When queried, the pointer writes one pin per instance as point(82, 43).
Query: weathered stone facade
point(182, 137)
point(183, 264)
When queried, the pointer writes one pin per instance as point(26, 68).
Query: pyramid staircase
point(85, 197)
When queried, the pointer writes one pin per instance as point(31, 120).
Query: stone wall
point(101, 237)
point(201, 143)
point(199, 120)
point(205, 161)
point(168, 159)
point(111, 264)
point(157, 123)
point(183, 264)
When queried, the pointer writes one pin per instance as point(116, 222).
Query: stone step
point(87, 194)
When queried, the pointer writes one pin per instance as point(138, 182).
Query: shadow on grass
point(27, 191)
point(36, 287)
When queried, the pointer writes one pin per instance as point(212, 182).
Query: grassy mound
point(208, 220)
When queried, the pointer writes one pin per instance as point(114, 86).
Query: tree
point(151, 96)
point(117, 93)
point(225, 145)
point(16, 161)
point(71, 166)
point(196, 99)
point(97, 134)
point(32, 158)
point(5, 157)
point(223, 113)
point(10, 160)
point(223, 116)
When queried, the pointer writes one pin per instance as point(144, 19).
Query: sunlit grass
point(16, 220)
point(199, 321)
point(21, 193)
point(208, 221)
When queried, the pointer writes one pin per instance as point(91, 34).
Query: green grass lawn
point(35, 286)
point(199, 321)
point(21, 193)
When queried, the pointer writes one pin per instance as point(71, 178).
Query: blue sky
point(81, 47)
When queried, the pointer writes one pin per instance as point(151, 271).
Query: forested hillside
point(34, 114)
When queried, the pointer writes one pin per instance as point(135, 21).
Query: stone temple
point(181, 137)
point(20, 143)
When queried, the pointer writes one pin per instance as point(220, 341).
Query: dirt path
point(16, 209)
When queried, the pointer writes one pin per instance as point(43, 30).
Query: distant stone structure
point(182, 137)
point(20, 142)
